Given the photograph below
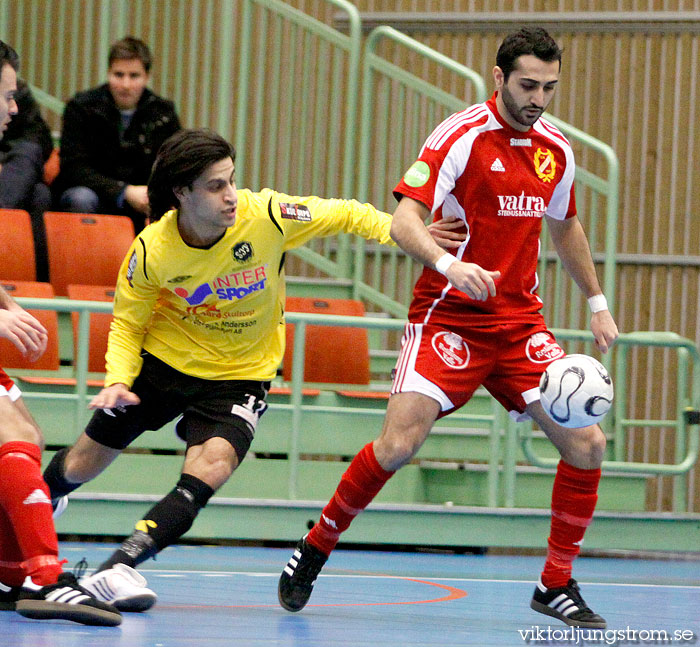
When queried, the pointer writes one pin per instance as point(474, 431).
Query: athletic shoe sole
point(548, 611)
point(44, 610)
point(134, 603)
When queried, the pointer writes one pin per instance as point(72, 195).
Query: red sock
point(24, 497)
point(574, 496)
point(358, 486)
point(11, 567)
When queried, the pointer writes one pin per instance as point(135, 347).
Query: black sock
point(139, 545)
point(55, 477)
point(164, 523)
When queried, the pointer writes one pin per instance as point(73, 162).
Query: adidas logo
point(563, 604)
point(38, 496)
point(67, 595)
point(498, 166)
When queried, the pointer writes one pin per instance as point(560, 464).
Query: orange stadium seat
point(99, 323)
point(85, 249)
point(17, 257)
point(333, 354)
point(10, 357)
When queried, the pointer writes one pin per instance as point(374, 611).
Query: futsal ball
point(576, 391)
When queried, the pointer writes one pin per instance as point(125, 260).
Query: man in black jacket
point(110, 138)
point(24, 149)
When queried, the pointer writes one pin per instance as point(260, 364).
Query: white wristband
point(443, 263)
point(597, 303)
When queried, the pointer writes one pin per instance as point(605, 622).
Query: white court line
point(180, 573)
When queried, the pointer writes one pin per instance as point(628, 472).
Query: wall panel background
point(636, 90)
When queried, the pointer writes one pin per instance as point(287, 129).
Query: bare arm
point(23, 330)
point(572, 246)
point(409, 232)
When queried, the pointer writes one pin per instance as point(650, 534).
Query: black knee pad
point(194, 489)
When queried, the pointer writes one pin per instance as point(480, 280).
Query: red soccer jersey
point(499, 182)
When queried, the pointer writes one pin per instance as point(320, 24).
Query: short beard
point(513, 109)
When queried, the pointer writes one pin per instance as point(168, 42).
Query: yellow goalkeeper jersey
point(218, 313)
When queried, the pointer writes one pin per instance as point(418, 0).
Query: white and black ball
point(576, 391)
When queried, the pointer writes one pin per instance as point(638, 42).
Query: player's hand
point(604, 330)
point(24, 331)
point(473, 280)
point(445, 234)
point(114, 396)
point(137, 197)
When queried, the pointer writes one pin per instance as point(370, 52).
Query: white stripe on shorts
point(14, 393)
point(407, 379)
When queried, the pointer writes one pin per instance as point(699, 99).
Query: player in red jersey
point(32, 580)
point(475, 317)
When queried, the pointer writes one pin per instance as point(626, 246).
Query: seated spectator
point(24, 149)
point(110, 138)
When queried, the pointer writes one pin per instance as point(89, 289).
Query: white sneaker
point(60, 507)
point(122, 587)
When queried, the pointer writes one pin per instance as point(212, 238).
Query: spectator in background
point(24, 149)
point(110, 138)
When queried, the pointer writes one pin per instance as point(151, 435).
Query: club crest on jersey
point(242, 251)
point(298, 212)
point(541, 348)
point(545, 166)
point(451, 349)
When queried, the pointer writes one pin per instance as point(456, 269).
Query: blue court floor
point(220, 596)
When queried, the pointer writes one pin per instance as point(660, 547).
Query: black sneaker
point(566, 604)
point(65, 600)
point(299, 576)
point(8, 597)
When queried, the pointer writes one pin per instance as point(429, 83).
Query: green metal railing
point(601, 229)
point(398, 108)
point(79, 397)
point(502, 461)
point(296, 124)
point(687, 440)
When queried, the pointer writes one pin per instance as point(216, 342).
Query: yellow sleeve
point(304, 218)
point(135, 299)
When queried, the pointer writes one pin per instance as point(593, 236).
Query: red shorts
point(449, 365)
point(8, 387)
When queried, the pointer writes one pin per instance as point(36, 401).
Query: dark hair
point(527, 40)
point(130, 48)
point(8, 56)
point(182, 158)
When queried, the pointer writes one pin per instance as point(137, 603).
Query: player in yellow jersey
point(198, 332)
